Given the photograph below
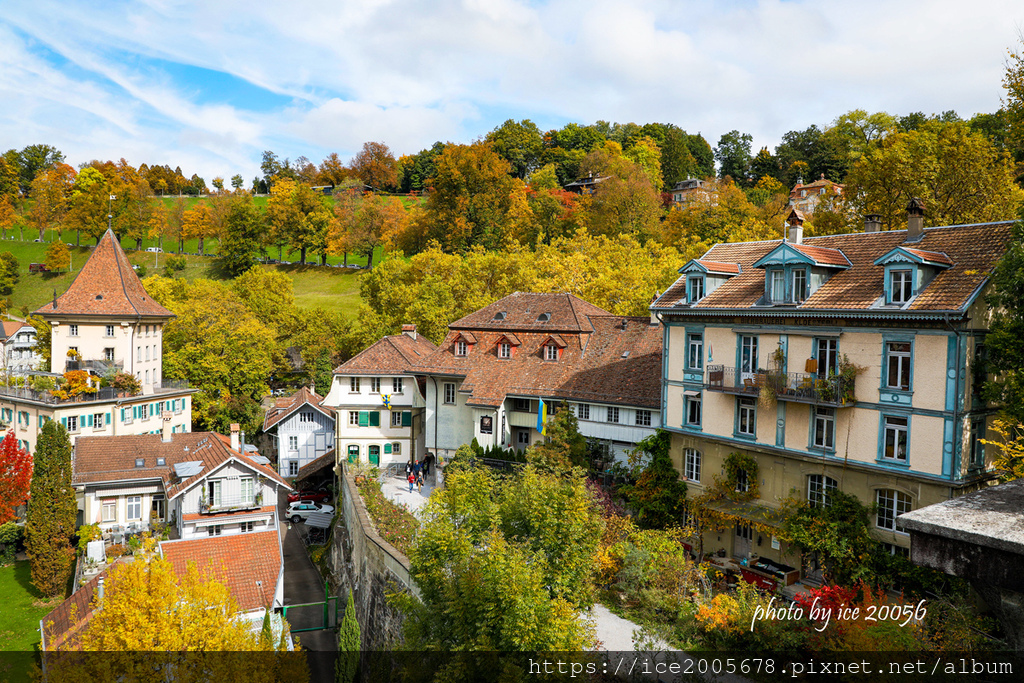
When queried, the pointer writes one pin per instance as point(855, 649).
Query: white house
point(20, 355)
point(380, 407)
point(108, 323)
point(487, 378)
point(302, 428)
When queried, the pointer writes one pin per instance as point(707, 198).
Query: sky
point(208, 86)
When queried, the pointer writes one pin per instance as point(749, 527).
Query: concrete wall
point(361, 560)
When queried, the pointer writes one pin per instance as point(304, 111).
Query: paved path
point(397, 489)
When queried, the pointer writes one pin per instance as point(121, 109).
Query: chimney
point(165, 434)
point(99, 590)
point(409, 330)
point(873, 222)
point(625, 322)
point(795, 221)
point(915, 220)
point(242, 442)
point(234, 436)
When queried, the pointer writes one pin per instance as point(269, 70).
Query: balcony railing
point(101, 394)
point(97, 367)
point(230, 504)
point(800, 387)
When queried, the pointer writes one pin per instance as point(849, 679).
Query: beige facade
point(130, 346)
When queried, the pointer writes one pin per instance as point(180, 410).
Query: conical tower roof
point(106, 286)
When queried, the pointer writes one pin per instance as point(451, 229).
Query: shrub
point(394, 522)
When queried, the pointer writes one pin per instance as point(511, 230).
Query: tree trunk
point(138, 244)
point(78, 238)
point(42, 231)
point(302, 258)
point(202, 249)
point(369, 260)
point(346, 259)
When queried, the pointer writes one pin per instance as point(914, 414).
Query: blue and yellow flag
point(386, 400)
point(542, 417)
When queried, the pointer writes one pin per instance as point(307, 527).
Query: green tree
point(50, 522)
point(323, 372)
point(237, 182)
point(36, 158)
point(659, 496)
point(243, 235)
point(349, 645)
point(90, 202)
point(733, 156)
point(837, 533)
point(563, 446)
point(518, 143)
point(1005, 340)
point(1013, 104)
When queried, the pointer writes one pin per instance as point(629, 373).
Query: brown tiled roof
point(106, 285)
point(829, 257)
point(973, 251)
point(568, 313)
point(314, 466)
point(591, 366)
point(391, 355)
point(932, 256)
point(285, 406)
point(719, 266)
point(62, 627)
point(240, 560)
point(112, 459)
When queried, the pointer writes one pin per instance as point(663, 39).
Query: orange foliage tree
point(15, 474)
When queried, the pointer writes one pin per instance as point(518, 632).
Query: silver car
point(297, 512)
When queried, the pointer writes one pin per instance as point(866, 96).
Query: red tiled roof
point(112, 459)
point(522, 310)
point(391, 355)
point(831, 257)
point(719, 266)
point(285, 406)
point(932, 256)
point(11, 328)
point(240, 560)
point(973, 251)
point(106, 286)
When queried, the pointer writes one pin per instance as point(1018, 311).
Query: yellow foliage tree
point(6, 214)
point(197, 223)
point(1009, 461)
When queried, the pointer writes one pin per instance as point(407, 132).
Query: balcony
point(96, 367)
point(102, 394)
point(230, 504)
point(799, 387)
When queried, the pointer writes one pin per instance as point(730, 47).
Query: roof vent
point(625, 354)
point(625, 322)
point(500, 315)
point(140, 462)
point(543, 317)
point(161, 462)
point(99, 297)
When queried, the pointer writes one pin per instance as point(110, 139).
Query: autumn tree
point(51, 192)
point(50, 522)
point(520, 144)
point(362, 223)
point(197, 224)
point(242, 243)
point(1005, 340)
point(10, 272)
point(624, 201)
point(7, 214)
point(15, 475)
point(375, 165)
point(90, 203)
point(332, 171)
point(297, 216)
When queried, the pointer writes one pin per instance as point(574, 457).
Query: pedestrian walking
point(419, 482)
point(412, 480)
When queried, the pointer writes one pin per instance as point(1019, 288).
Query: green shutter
point(375, 418)
point(64, 421)
point(387, 449)
point(88, 420)
point(135, 412)
point(406, 418)
point(108, 418)
point(364, 418)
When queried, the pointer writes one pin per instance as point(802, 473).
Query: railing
point(800, 387)
point(101, 394)
point(226, 504)
point(99, 367)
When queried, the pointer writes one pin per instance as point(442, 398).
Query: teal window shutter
point(108, 418)
point(364, 418)
point(88, 420)
point(387, 449)
point(64, 421)
point(406, 418)
point(375, 418)
point(135, 412)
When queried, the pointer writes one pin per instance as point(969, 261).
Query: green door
point(374, 455)
point(353, 454)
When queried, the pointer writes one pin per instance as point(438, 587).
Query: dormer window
point(901, 286)
point(777, 287)
point(799, 285)
point(550, 352)
point(461, 348)
point(504, 350)
point(695, 289)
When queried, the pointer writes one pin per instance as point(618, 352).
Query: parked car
point(297, 512)
point(155, 250)
point(306, 496)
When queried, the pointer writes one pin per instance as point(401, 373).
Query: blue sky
point(209, 86)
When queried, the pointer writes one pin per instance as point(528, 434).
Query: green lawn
point(22, 610)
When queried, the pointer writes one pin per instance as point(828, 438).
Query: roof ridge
point(120, 273)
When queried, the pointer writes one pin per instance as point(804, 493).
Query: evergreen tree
point(349, 644)
point(51, 512)
point(323, 372)
point(658, 497)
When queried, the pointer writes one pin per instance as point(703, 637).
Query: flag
point(542, 417)
point(112, 197)
point(386, 400)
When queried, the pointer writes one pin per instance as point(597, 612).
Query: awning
point(690, 392)
point(749, 511)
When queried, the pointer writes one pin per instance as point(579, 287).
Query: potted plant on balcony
point(126, 384)
point(204, 504)
point(74, 385)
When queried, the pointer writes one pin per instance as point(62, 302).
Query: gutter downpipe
point(956, 400)
point(433, 381)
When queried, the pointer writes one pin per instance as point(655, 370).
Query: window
point(695, 289)
point(293, 468)
point(819, 490)
point(748, 356)
point(977, 447)
point(213, 491)
point(353, 419)
point(138, 354)
point(214, 530)
point(98, 420)
point(245, 526)
point(396, 448)
point(894, 549)
point(824, 428)
point(306, 416)
point(461, 348)
point(449, 393)
point(901, 286)
point(523, 437)
point(73, 423)
point(827, 352)
point(521, 405)
point(550, 352)
point(504, 350)
point(396, 418)
point(691, 465)
point(353, 385)
point(695, 351)
point(134, 507)
point(643, 418)
point(742, 481)
point(247, 489)
point(897, 361)
point(72, 330)
point(583, 411)
point(147, 352)
point(293, 441)
point(109, 508)
point(778, 286)
point(144, 412)
point(799, 284)
point(108, 354)
point(613, 414)
point(110, 331)
point(396, 385)
point(375, 385)
point(693, 410)
point(895, 439)
point(147, 376)
point(746, 420)
point(891, 504)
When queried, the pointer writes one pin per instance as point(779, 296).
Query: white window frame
point(375, 385)
point(550, 352)
point(449, 393)
point(72, 330)
point(825, 437)
point(746, 409)
point(108, 354)
point(583, 411)
point(504, 350)
point(293, 468)
point(353, 418)
point(642, 418)
point(891, 504)
point(72, 423)
point(901, 360)
point(247, 487)
point(108, 509)
point(306, 416)
point(133, 503)
point(799, 291)
point(695, 351)
point(777, 291)
point(694, 289)
point(109, 331)
point(905, 291)
point(461, 348)
point(692, 465)
point(819, 488)
point(891, 427)
point(396, 418)
point(694, 410)
point(397, 385)
point(293, 441)
point(353, 385)
point(612, 415)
